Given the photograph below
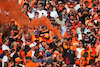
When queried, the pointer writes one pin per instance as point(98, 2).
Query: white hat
point(90, 24)
point(32, 45)
point(59, 2)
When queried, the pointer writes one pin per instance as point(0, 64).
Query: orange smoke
point(12, 10)
point(46, 22)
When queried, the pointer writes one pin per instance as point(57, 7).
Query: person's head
point(12, 50)
point(81, 5)
point(69, 40)
point(30, 9)
point(47, 5)
point(94, 2)
point(25, 7)
point(80, 43)
point(76, 37)
point(83, 26)
point(48, 65)
point(28, 1)
point(35, 5)
point(54, 62)
point(40, 6)
point(60, 6)
point(83, 35)
point(43, 43)
point(64, 64)
point(70, 28)
point(96, 8)
point(80, 23)
point(71, 17)
point(40, 61)
point(32, 46)
point(12, 23)
point(41, 49)
point(28, 59)
point(6, 41)
point(5, 52)
point(60, 17)
point(86, 3)
point(75, 3)
point(18, 60)
point(98, 12)
point(51, 7)
point(91, 18)
point(48, 53)
point(90, 26)
point(64, 10)
point(91, 62)
point(65, 40)
point(39, 1)
point(66, 24)
point(69, 3)
point(12, 33)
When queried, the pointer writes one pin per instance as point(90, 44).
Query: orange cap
point(18, 59)
point(12, 20)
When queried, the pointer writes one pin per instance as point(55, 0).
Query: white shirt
point(68, 10)
point(54, 14)
point(12, 54)
point(31, 15)
point(33, 52)
point(77, 7)
point(79, 52)
point(42, 12)
point(5, 47)
point(5, 58)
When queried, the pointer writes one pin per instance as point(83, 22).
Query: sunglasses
point(90, 26)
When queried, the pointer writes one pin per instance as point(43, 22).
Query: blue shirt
point(63, 30)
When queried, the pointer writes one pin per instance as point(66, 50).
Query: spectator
point(30, 13)
point(53, 13)
point(41, 11)
point(29, 63)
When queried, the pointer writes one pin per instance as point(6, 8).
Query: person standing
point(41, 11)
point(29, 63)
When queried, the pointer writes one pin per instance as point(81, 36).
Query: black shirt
point(71, 55)
point(15, 56)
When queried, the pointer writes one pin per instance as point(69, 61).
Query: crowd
point(78, 21)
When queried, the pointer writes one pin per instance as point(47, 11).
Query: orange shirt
point(31, 64)
point(87, 0)
point(93, 52)
point(29, 53)
point(84, 62)
point(98, 51)
point(88, 58)
point(27, 43)
point(66, 35)
point(32, 3)
point(10, 64)
point(0, 40)
point(73, 48)
point(23, 57)
point(1, 51)
point(74, 42)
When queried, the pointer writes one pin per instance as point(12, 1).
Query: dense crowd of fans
point(78, 21)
